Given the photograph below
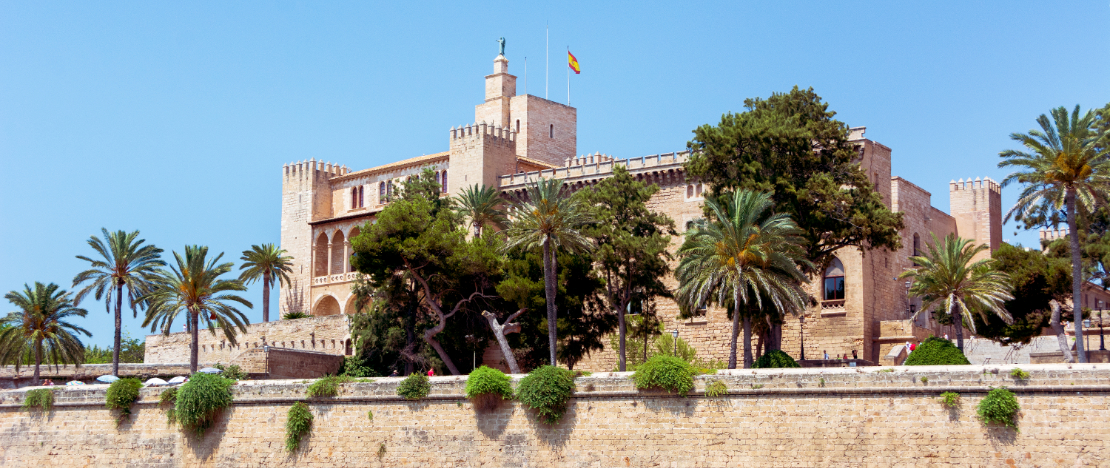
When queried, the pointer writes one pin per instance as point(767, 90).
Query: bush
point(547, 390)
point(41, 398)
point(169, 398)
point(200, 400)
point(232, 372)
point(121, 394)
point(936, 352)
point(999, 407)
point(327, 386)
point(950, 399)
point(414, 387)
point(353, 366)
point(775, 359)
point(716, 389)
point(1019, 374)
point(297, 425)
point(665, 372)
point(295, 315)
point(487, 387)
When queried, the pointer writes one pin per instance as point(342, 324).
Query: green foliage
point(232, 372)
point(354, 366)
point(41, 398)
point(665, 372)
point(39, 332)
point(414, 387)
point(790, 145)
point(1019, 374)
point(370, 415)
point(1035, 279)
point(936, 352)
point(295, 315)
point(480, 205)
point(715, 389)
point(122, 394)
point(924, 379)
point(200, 400)
point(950, 399)
point(487, 387)
point(775, 359)
point(999, 407)
point(381, 450)
point(266, 262)
point(885, 370)
point(547, 390)
point(168, 399)
point(130, 350)
point(297, 425)
point(327, 386)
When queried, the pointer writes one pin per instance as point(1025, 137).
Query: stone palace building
point(516, 139)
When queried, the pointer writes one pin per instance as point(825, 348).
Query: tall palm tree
point(745, 257)
point(549, 218)
point(123, 263)
point(40, 330)
point(194, 287)
point(1064, 166)
point(481, 206)
point(947, 275)
point(267, 262)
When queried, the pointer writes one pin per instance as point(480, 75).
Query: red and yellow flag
point(573, 62)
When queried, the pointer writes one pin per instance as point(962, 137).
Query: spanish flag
point(573, 62)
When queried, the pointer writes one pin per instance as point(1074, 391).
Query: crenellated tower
point(306, 196)
point(480, 153)
point(977, 207)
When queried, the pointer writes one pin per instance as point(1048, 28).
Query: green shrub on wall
point(716, 389)
point(665, 372)
point(122, 394)
point(950, 399)
point(414, 387)
point(547, 390)
point(200, 400)
point(999, 407)
point(327, 386)
point(487, 387)
point(168, 399)
point(41, 398)
point(936, 352)
point(775, 359)
point(231, 372)
point(297, 425)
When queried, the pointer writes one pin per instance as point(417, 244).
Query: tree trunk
point(266, 296)
point(549, 290)
point(748, 342)
point(1061, 336)
point(194, 347)
point(410, 335)
point(1076, 274)
point(958, 322)
point(499, 331)
point(38, 362)
point(621, 329)
point(119, 328)
point(759, 342)
point(735, 332)
point(775, 343)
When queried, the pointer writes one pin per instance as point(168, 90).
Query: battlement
point(495, 134)
point(587, 159)
point(1049, 235)
point(976, 184)
point(314, 168)
point(594, 167)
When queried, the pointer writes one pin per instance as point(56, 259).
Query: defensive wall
point(328, 334)
point(771, 417)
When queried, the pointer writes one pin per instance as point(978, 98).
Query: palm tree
point(947, 275)
point(268, 263)
point(746, 256)
point(1065, 167)
point(194, 287)
point(39, 328)
point(481, 205)
point(549, 218)
point(125, 264)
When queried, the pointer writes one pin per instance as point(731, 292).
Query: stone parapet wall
point(772, 417)
point(321, 334)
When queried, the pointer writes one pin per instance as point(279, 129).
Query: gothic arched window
point(443, 187)
point(381, 193)
point(834, 281)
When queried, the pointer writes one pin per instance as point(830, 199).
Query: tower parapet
point(977, 206)
point(481, 152)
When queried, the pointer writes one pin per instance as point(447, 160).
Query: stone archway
point(327, 305)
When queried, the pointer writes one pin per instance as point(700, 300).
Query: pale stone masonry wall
point(797, 417)
point(324, 334)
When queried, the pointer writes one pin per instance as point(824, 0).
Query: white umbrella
point(155, 382)
point(75, 382)
point(178, 380)
point(107, 378)
point(210, 370)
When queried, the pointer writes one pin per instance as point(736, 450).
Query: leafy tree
point(266, 262)
point(1062, 166)
point(131, 350)
point(745, 256)
point(1036, 280)
point(193, 287)
point(631, 255)
point(124, 263)
point(480, 205)
point(549, 218)
point(791, 146)
point(948, 275)
point(39, 329)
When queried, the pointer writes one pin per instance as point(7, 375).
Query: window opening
point(834, 281)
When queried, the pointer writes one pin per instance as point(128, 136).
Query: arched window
point(552, 131)
point(354, 197)
point(518, 125)
point(437, 178)
point(381, 193)
point(834, 281)
point(388, 191)
point(361, 199)
point(916, 245)
point(690, 191)
point(443, 186)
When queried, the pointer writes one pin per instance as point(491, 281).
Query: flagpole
point(547, 60)
point(525, 76)
point(568, 77)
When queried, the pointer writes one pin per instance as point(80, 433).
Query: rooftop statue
point(501, 42)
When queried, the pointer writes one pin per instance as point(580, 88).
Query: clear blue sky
point(175, 118)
